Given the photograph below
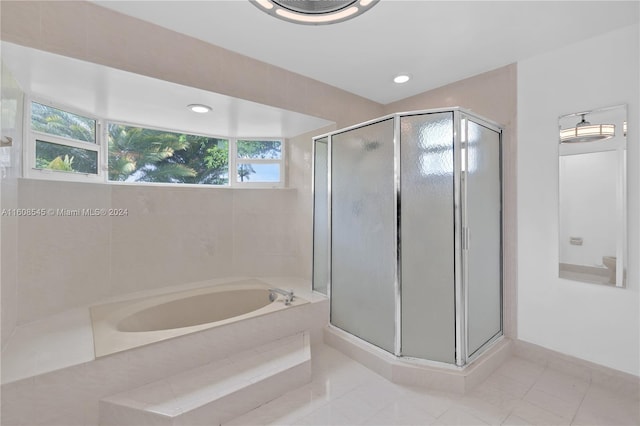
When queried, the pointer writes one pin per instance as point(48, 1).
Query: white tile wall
point(63, 262)
point(170, 236)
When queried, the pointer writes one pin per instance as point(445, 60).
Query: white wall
point(589, 321)
point(588, 207)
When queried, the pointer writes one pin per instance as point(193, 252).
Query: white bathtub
point(128, 324)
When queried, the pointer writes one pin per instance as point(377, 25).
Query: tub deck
point(54, 343)
point(66, 339)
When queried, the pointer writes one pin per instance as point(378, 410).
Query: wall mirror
point(592, 196)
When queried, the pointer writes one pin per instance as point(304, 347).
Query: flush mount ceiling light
point(314, 12)
point(401, 78)
point(587, 132)
point(199, 108)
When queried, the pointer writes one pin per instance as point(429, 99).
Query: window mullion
point(29, 143)
point(233, 157)
point(103, 154)
point(257, 160)
point(45, 137)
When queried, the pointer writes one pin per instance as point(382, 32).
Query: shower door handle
point(465, 238)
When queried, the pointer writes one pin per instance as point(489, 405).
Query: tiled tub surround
point(50, 376)
point(216, 392)
point(170, 236)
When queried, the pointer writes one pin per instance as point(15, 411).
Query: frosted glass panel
point(427, 218)
point(363, 246)
point(483, 220)
point(320, 217)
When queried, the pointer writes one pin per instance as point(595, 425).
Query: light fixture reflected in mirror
point(587, 132)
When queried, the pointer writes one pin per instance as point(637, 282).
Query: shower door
point(363, 232)
point(427, 231)
point(482, 219)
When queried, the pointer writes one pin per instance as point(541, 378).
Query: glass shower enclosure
point(408, 232)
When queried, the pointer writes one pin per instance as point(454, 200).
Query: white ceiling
point(437, 42)
point(131, 98)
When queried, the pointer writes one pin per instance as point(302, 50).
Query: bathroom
point(55, 264)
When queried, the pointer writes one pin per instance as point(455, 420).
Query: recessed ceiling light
point(199, 108)
point(314, 12)
point(401, 78)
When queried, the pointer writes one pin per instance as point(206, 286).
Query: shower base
point(414, 372)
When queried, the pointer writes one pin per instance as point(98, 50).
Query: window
point(60, 157)
point(63, 142)
point(138, 154)
point(67, 145)
point(259, 162)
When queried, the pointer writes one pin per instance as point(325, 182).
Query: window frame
point(29, 153)
point(101, 147)
point(233, 153)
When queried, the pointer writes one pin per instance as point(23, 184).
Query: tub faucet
point(288, 295)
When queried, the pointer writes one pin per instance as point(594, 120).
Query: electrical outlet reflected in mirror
point(592, 191)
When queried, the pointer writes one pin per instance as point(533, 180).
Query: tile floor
point(343, 392)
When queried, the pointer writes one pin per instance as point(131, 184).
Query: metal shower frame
point(461, 234)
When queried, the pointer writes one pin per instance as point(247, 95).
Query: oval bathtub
point(128, 324)
point(195, 310)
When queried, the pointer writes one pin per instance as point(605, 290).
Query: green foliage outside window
point(60, 163)
point(61, 123)
point(54, 156)
point(259, 149)
point(145, 155)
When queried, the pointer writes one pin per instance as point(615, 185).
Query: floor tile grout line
point(551, 412)
point(512, 411)
point(573, 419)
point(577, 378)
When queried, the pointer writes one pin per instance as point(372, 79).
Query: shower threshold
point(418, 372)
